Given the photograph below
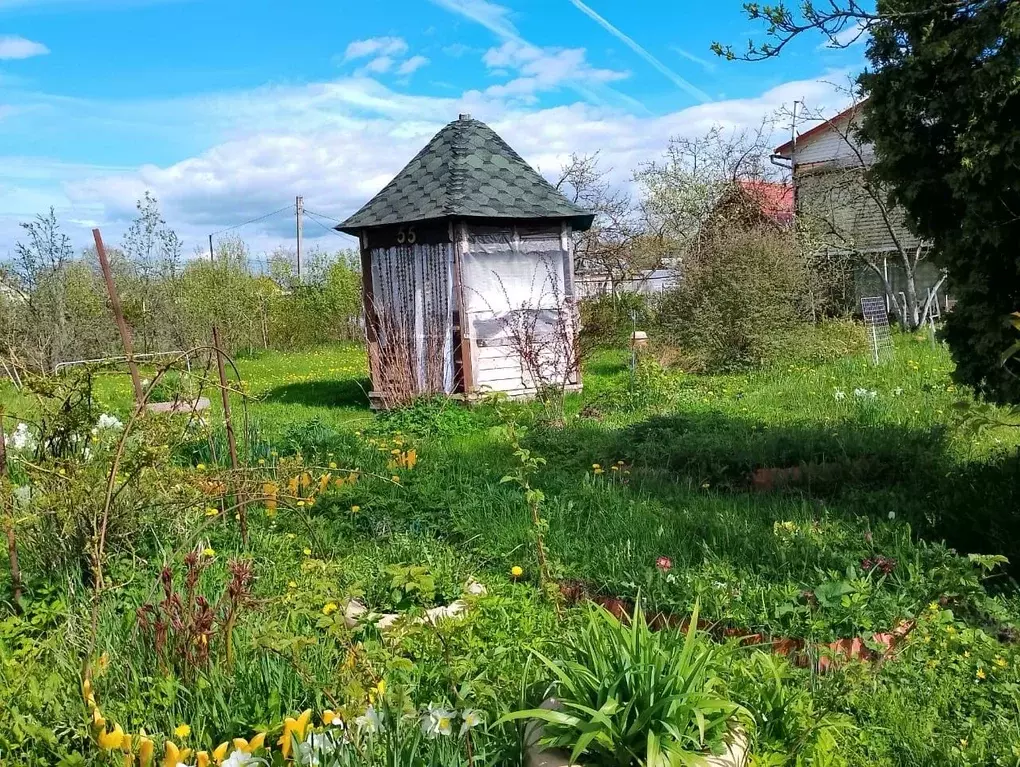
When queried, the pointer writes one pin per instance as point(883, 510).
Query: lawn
point(813, 501)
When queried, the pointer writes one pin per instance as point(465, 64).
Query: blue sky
point(227, 109)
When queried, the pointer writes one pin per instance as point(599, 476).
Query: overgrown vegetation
point(813, 501)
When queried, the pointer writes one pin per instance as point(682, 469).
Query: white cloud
point(676, 79)
point(16, 47)
point(457, 50)
point(492, 16)
point(336, 144)
point(542, 69)
point(854, 34)
point(379, 65)
point(412, 65)
point(375, 46)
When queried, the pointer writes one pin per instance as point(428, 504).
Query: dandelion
point(211, 512)
point(201, 467)
point(182, 731)
point(307, 552)
point(209, 552)
point(516, 571)
point(355, 509)
point(330, 608)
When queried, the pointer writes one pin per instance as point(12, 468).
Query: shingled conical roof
point(466, 171)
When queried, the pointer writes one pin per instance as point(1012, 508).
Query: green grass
point(889, 475)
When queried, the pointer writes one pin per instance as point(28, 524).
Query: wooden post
point(118, 314)
point(242, 509)
point(460, 247)
point(12, 541)
point(212, 257)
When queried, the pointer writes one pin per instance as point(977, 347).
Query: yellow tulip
point(126, 742)
point(256, 743)
point(172, 755)
point(242, 745)
point(108, 741)
point(327, 717)
point(302, 722)
point(145, 749)
point(97, 720)
point(287, 736)
point(86, 690)
point(128, 760)
point(220, 752)
point(202, 759)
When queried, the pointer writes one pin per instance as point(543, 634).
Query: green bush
point(607, 319)
point(740, 297)
point(630, 695)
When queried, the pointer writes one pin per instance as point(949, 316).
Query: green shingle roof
point(466, 171)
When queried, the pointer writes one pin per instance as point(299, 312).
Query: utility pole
point(212, 258)
point(299, 209)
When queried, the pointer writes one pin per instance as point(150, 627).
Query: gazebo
point(467, 272)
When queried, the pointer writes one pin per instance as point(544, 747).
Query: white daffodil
point(312, 752)
point(438, 721)
point(21, 439)
point(370, 721)
point(241, 759)
point(470, 719)
point(107, 421)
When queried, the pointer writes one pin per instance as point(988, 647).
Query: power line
point(254, 220)
point(323, 215)
point(315, 218)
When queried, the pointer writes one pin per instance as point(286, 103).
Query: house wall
point(836, 197)
point(517, 301)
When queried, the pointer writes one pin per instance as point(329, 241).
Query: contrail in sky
point(630, 43)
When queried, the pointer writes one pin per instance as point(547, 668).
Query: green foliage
point(610, 319)
point(630, 695)
point(428, 417)
point(788, 729)
point(738, 301)
point(942, 114)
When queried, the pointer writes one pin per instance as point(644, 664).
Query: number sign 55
point(406, 235)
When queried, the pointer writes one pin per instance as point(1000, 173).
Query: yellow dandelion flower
point(355, 509)
point(516, 571)
point(307, 552)
point(182, 731)
point(330, 608)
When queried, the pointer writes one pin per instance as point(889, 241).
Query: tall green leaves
point(630, 695)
